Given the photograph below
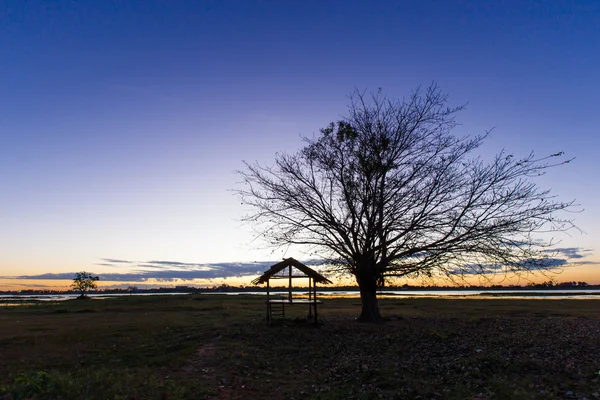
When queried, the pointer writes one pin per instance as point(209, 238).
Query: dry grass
point(189, 347)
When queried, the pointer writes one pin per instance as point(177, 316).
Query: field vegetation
point(219, 346)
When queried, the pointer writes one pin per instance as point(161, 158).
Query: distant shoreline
point(250, 289)
point(553, 294)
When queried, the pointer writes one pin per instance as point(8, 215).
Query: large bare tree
point(388, 191)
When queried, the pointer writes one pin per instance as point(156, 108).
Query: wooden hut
point(291, 269)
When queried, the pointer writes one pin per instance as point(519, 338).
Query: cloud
point(115, 261)
point(164, 271)
point(170, 263)
point(545, 264)
point(570, 252)
point(111, 261)
point(558, 258)
point(176, 271)
point(47, 276)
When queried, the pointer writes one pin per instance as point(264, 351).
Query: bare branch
point(389, 191)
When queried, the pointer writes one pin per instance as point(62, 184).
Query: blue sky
point(122, 123)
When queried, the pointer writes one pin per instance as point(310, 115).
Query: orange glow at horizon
point(589, 273)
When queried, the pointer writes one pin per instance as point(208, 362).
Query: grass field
point(195, 347)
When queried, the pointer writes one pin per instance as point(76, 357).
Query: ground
point(190, 347)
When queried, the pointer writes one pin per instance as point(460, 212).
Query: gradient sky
point(122, 122)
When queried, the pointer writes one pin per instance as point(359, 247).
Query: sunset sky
point(122, 123)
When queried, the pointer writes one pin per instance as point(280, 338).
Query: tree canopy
point(84, 282)
point(389, 191)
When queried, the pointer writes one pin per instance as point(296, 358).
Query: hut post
point(315, 300)
point(290, 286)
point(309, 296)
point(268, 303)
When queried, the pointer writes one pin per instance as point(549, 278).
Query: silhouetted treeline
point(561, 285)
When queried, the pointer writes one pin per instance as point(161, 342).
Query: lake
point(14, 299)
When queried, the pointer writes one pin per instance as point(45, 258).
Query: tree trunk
point(368, 296)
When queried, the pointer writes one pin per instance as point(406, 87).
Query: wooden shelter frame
point(313, 278)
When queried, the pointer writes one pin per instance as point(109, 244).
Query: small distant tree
point(83, 282)
point(132, 289)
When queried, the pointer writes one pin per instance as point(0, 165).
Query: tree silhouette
point(388, 191)
point(132, 289)
point(84, 282)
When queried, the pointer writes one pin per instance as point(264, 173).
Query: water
point(504, 294)
point(18, 299)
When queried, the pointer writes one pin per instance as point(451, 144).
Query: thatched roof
point(294, 263)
